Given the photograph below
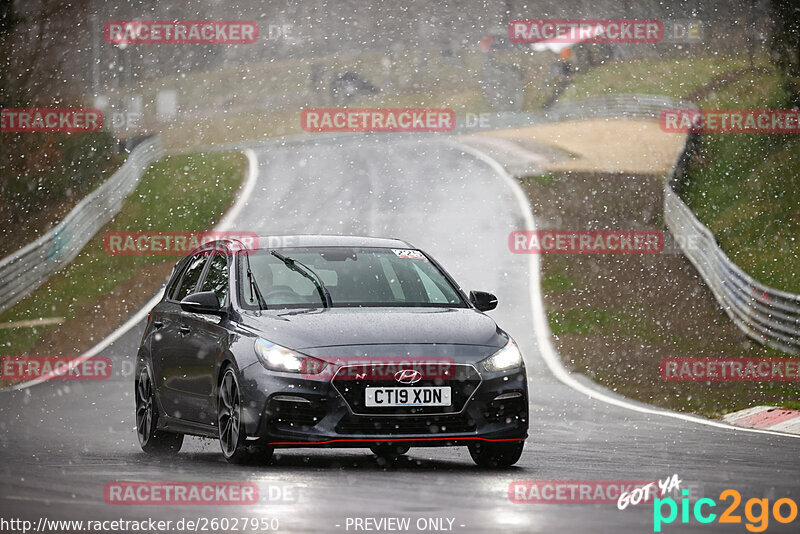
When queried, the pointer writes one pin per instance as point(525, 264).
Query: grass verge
point(258, 100)
point(746, 187)
point(675, 77)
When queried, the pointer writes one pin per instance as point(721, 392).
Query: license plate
point(408, 396)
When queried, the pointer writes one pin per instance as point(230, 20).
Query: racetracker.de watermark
point(378, 120)
point(71, 120)
point(730, 120)
point(585, 242)
point(586, 31)
point(180, 32)
point(730, 369)
point(380, 369)
point(175, 243)
point(55, 368)
point(181, 493)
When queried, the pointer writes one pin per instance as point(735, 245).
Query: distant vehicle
point(345, 86)
point(334, 342)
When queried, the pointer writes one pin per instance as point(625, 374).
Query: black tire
point(231, 429)
point(496, 453)
point(151, 440)
point(390, 451)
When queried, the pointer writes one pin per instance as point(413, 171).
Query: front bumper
point(286, 410)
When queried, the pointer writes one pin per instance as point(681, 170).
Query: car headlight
point(506, 358)
point(278, 358)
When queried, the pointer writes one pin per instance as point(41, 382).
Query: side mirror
point(482, 300)
point(202, 302)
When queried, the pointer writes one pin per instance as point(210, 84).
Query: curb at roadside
point(766, 418)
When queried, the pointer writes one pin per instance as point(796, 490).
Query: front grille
point(433, 425)
point(297, 413)
point(465, 380)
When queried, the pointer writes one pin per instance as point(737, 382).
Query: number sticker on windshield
point(408, 253)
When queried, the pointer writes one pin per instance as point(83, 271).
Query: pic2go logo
point(758, 522)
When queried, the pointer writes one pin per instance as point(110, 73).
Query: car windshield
point(353, 276)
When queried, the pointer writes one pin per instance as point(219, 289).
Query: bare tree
point(785, 44)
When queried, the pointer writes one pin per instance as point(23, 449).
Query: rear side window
point(175, 279)
point(217, 278)
point(190, 277)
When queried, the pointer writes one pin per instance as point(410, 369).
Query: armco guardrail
point(767, 315)
point(28, 268)
point(638, 106)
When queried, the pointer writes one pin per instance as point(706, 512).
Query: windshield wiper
point(262, 304)
point(309, 273)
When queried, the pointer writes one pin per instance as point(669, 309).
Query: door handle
point(184, 330)
point(158, 324)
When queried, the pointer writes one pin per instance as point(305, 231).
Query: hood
point(337, 327)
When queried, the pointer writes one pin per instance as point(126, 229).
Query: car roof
point(322, 240)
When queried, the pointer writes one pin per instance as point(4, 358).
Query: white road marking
point(33, 322)
point(49, 501)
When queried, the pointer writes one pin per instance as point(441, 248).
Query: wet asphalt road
point(62, 442)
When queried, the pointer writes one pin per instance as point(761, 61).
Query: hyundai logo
point(408, 376)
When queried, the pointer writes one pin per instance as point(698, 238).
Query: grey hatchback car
point(327, 341)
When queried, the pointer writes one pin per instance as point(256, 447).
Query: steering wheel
point(280, 292)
